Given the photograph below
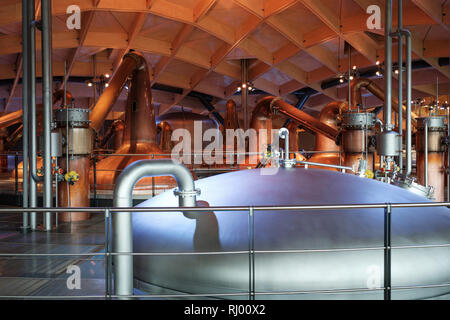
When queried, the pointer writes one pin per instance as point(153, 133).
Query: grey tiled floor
point(47, 276)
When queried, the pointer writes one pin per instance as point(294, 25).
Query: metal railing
point(251, 252)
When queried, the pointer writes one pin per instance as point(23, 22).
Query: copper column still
point(73, 125)
point(356, 129)
point(140, 134)
point(435, 174)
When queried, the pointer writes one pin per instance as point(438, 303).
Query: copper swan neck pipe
point(131, 61)
point(269, 106)
point(369, 85)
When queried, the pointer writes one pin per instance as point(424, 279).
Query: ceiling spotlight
point(239, 89)
point(250, 88)
point(244, 85)
point(341, 80)
point(378, 63)
point(107, 75)
point(89, 84)
point(354, 67)
point(351, 78)
point(396, 71)
point(106, 85)
point(378, 73)
point(126, 87)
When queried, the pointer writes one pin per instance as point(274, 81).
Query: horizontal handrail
point(447, 245)
point(205, 295)
point(232, 208)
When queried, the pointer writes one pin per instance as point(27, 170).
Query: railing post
point(387, 252)
point(251, 254)
point(94, 167)
point(107, 256)
point(16, 174)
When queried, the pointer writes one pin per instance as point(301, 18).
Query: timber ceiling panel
point(197, 44)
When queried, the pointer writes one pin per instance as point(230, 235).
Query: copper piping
point(130, 62)
point(269, 106)
point(59, 95)
point(329, 115)
point(370, 86)
point(11, 118)
point(117, 126)
point(15, 117)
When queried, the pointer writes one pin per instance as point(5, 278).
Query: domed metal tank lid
point(318, 230)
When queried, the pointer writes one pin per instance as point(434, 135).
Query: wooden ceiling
point(196, 45)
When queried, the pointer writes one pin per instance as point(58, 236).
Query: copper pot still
point(195, 125)
point(140, 132)
point(328, 150)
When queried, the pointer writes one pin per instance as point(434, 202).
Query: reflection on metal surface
point(276, 230)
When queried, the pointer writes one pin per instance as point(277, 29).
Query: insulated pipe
point(123, 197)
point(388, 65)
point(130, 62)
point(269, 106)
point(25, 77)
point(46, 14)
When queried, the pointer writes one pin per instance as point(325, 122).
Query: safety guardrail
point(251, 252)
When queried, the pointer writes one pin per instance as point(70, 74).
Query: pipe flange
point(360, 120)
point(185, 194)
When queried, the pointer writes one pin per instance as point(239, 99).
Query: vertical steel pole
point(25, 77)
point(388, 67)
point(387, 252)
point(244, 91)
point(408, 102)
point(94, 167)
point(32, 108)
point(107, 270)
point(251, 254)
point(46, 13)
point(448, 156)
point(400, 81)
point(426, 153)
